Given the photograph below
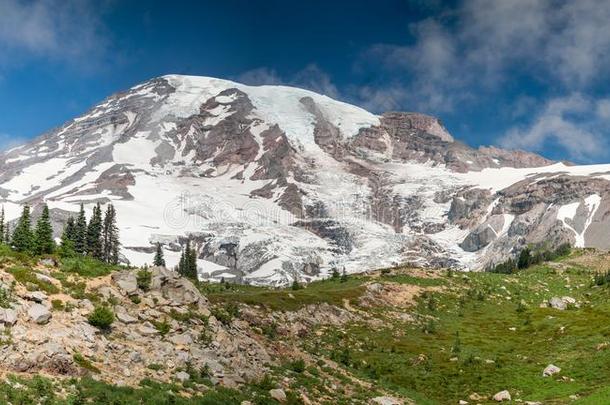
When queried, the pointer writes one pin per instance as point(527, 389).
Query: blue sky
point(522, 74)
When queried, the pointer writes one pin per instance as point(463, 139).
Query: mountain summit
point(273, 183)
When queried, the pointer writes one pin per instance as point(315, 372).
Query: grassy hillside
point(475, 333)
point(427, 337)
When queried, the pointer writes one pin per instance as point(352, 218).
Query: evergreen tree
point(343, 276)
point(184, 258)
point(335, 274)
point(80, 232)
point(69, 231)
point(22, 235)
point(66, 246)
point(43, 236)
point(192, 264)
point(187, 267)
point(110, 237)
point(180, 268)
point(7, 233)
point(94, 234)
point(2, 223)
point(159, 260)
point(525, 259)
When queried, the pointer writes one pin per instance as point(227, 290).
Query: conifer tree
point(22, 235)
point(159, 260)
point(66, 246)
point(343, 278)
point(69, 230)
point(184, 258)
point(80, 232)
point(43, 235)
point(7, 233)
point(110, 237)
point(180, 267)
point(94, 234)
point(192, 264)
point(187, 266)
point(2, 223)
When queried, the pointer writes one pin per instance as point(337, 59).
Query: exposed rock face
point(273, 183)
point(39, 313)
point(46, 340)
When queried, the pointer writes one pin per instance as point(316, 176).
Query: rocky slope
point(167, 332)
point(390, 337)
point(274, 183)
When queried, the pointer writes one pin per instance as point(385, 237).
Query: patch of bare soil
point(393, 294)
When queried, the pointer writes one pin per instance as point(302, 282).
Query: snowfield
point(129, 150)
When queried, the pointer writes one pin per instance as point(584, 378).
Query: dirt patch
point(98, 282)
point(393, 294)
point(409, 271)
point(594, 260)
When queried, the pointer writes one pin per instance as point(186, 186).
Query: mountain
point(273, 183)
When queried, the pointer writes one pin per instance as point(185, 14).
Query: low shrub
point(102, 317)
point(144, 279)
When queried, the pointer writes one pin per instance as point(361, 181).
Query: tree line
point(530, 257)
point(98, 237)
point(187, 266)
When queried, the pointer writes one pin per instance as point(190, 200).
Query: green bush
point(27, 277)
point(144, 279)
point(101, 317)
point(155, 366)
point(84, 363)
point(86, 266)
point(298, 366)
point(5, 298)
point(296, 286)
point(270, 330)
point(58, 305)
point(162, 326)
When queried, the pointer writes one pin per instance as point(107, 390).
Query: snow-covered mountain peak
point(275, 182)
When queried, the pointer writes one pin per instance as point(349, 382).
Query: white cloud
point(259, 77)
point(310, 77)
point(10, 141)
point(313, 78)
point(484, 41)
point(61, 30)
point(574, 122)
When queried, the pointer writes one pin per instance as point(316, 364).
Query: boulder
point(562, 303)
point(147, 329)
point(39, 313)
point(36, 296)
point(126, 281)
point(177, 290)
point(502, 396)
point(8, 316)
point(558, 303)
point(182, 376)
point(124, 317)
point(550, 370)
point(47, 262)
point(184, 340)
point(386, 401)
point(278, 394)
point(44, 278)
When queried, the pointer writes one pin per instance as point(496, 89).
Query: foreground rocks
point(156, 332)
point(550, 370)
point(502, 396)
